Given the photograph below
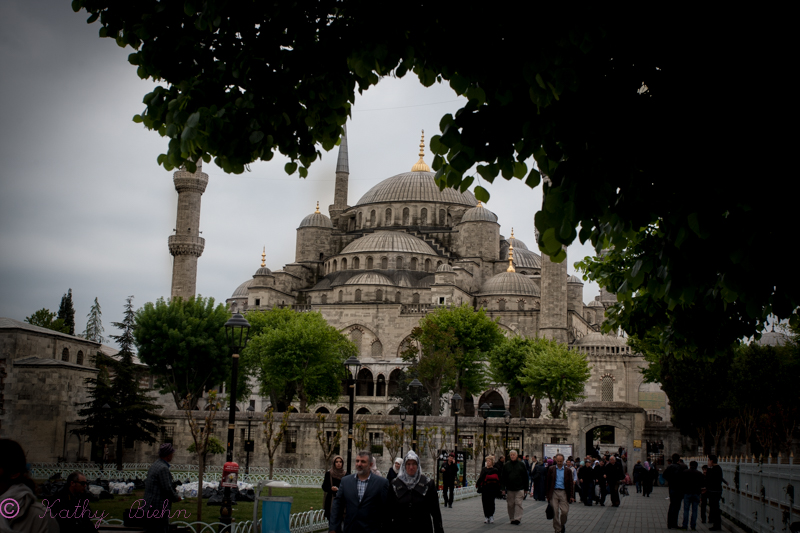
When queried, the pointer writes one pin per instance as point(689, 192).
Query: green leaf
point(481, 194)
point(540, 81)
point(76, 5)
point(533, 179)
point(137, 119)
point(465, 183)
point(256, 137)
point(520, 168)
point(458, 83)
point(694, 224)
point(194, 118)
point(290, 167)
point(92, 18)
point(436, 145)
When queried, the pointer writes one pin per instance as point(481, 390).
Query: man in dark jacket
point(360, 501)
point(514, 482)
point(539, 475)
point(613, 474)
point(586, 478)
point(600, 479)
point(449, 475)
point(159, 494)
point(714, 481)
point(692, 481)
point(673, 476)
point(560, 492)
point(73, 499)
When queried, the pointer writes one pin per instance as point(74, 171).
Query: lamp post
point(403, 414)
point(484, 410)
point(248, 445)
point(106, 408)
point(522, 422)
point(415, 386)
point(507, 417)
point(237, 331)
point(353, 365)
point(456, 401)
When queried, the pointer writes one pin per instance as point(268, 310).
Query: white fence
point(760, 496)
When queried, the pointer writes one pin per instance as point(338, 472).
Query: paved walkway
point(635, 514)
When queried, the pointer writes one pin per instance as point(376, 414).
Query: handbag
point(549, 513)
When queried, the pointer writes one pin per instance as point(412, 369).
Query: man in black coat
point(360, 501)
point(73, 499)
point(449, 475)
point(714, 481)
point(693, 481)
point(673, 476)
point(613, 474)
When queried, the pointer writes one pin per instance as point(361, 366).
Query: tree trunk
point(201, 466)
point(537, 408)
point(271, 464)
point(119, 452)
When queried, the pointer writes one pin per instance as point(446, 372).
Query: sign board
point(230, 474)
point(637, 443)
point(550, 450)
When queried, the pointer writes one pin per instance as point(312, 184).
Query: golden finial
point(264, 257)
point(317, 211)
point(512, 233)
point(511, 256)
point(421, 165)
point(479, 204)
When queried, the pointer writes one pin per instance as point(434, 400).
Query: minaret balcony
point(186, 245)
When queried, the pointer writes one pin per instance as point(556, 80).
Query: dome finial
point(479, 204)
point(421, 165)
point(512, 233)
point(511, 256)
point(264, 257)
point(317, 211)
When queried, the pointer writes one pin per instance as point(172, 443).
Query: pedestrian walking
point(31, 516)
point(532, 473)
point(693, 482)
point(638, 470)
point(373, 467)
point(673, 476)
point(360, 505)
point(414, 500)
point(331, 482)
point(560, 492)
point(613, 475)
point(586, 480)
point(69, 499)
point(647, 480)
point(600, 479)
point(159, 493)
point(539, 475)
point(704, 497)
point(398, 462)
point(514, 481)
point(488, 485)
point(714, 481)
point(449, 474)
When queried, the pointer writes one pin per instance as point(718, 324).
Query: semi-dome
point(444, 267)
point(517, 244)
point(574, 279)
point(526, 259)
point(316, 220)
point(595, 303)
point(595, 338)
point(388, 241)
point(241, 290)
point(509, 283)
point(479, 214)
point(369, 278)
point(415, 187)
point(263, 271)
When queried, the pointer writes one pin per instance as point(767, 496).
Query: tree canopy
point(627, 123)
point(297, 354)
point(555, 372)
point(507, 359)
point(66, 313)
point(183, 342)
point(94, 324)
point(47, 319)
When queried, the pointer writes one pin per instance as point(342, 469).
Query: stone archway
point(627, 421)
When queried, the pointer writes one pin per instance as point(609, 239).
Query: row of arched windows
point(380, 296)
point(366, 385)
point(406, 218)
point(65, 356)
point(399, 263)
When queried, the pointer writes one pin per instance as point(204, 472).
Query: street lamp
point(352, 365)
point(248, 445)
point(106, 408)
point(237, 331)
point(507, 417)
point(414, 386)
point(484, 410)
point(403, 414)
point(522, 422)
point(456, 401)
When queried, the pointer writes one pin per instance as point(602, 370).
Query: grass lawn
point(304, 500)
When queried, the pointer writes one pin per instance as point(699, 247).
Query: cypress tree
point(94, 326)
point(66, 312)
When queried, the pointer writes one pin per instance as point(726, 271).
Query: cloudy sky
point(83, 204)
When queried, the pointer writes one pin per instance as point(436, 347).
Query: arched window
point(372, 218)
point(387, 221)
point(427, 265)
point(369, 263)
point(359, 220)
point(324, 298)
point(65, 354)
point(399, 263)
point(379, 295)
point(364, 383)
point(413, 263)
point(381, 386)
point(363, 411)
point(335, 265)
point(377, 349)
point(344, 264)
point(324, 410)
point(441, 217)
point(358, 295)
point(356, 263)
point(385, 263)
point(501, 304)
point(321, 255)
point(356, 336)
point(438, 264)
point(423, 216)
point(341, 296)
point(521, 304)
point(607, 388)
point(415, 298)
point(397, 297)
point(394, 381)
point(405, 216)
point(80, 357)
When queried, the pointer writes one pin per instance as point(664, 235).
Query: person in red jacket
point(560, 492)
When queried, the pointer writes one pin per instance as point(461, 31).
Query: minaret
point(342, 177)
point(553, 313)
point(187, 244)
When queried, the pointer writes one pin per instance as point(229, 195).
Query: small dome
point(773, 338)
point(479, 214)
point(574, 279)
point(241, 290)
point(263, 271)
point(509, 283)
point(388, 241)
point(595, 338)
point(517, 244)
point(444, 267)
point(369, 278)
point(316, 220)
point(595, 303)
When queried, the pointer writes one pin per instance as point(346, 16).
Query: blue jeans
point(693, 500)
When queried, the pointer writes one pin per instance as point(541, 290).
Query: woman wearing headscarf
point(398, 462)
point(373, 467)
point(413, 500)
point(330, 484)
point(489, 483)
point(647, 480)
point(15, 485)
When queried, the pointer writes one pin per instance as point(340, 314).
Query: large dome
point(369, 278)
point(522, 258)
point(241, 290)
point(388, 241)
point(415, 187)
point(509, 283)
